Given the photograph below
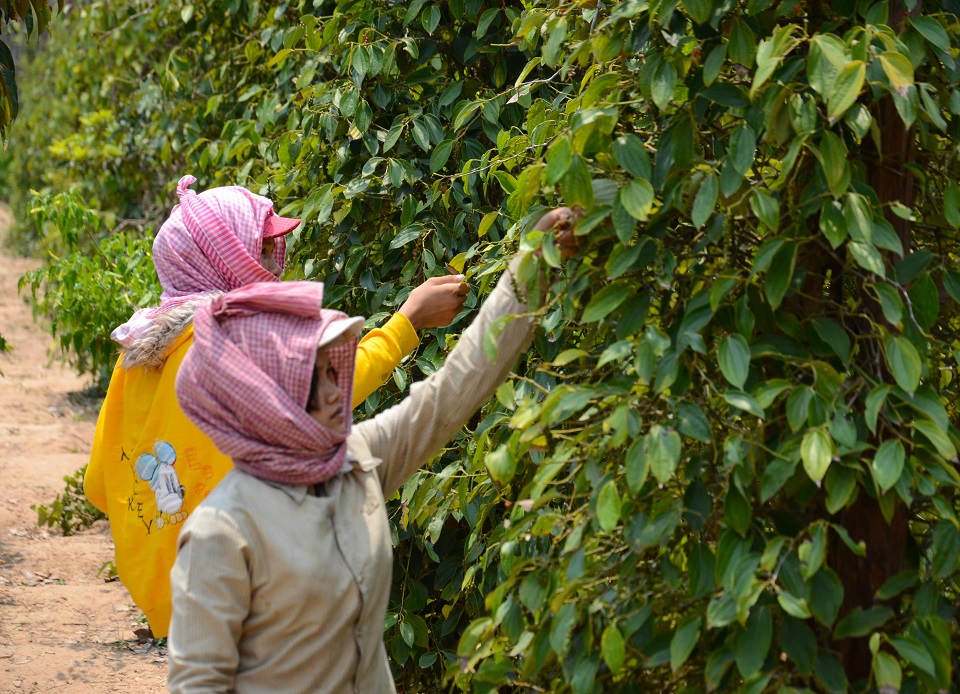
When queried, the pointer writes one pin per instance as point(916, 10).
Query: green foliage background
point(729, 461)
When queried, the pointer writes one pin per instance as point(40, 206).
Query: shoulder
point(225, 510)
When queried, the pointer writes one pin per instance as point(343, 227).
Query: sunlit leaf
point(816, 451)
point(904, 362)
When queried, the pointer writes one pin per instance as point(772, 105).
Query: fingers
point(445, 279)
point(462, 290)
point(554, 217)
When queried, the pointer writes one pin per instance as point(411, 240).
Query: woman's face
point(267, 260)
point(326, 397)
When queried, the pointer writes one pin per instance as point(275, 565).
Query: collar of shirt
point(298, 492)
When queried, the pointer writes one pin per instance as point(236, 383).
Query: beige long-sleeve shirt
point(276, 590)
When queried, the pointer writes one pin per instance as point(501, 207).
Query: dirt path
point(62, 628)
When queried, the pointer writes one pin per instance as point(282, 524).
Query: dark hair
point(312, 403)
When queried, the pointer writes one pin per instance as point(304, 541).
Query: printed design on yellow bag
point(157, 468)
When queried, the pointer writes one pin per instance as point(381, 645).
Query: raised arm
point(433, 304)
point(378, 354)
point(407, 435)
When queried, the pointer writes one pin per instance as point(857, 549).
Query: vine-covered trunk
point(887, 172)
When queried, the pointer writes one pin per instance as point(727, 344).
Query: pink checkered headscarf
point(245, 382)
point(210, 243)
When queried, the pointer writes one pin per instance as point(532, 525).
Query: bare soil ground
point(62, 628)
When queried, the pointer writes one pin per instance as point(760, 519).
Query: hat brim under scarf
point(245, 382)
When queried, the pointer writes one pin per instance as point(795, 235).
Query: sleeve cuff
point(401, 330)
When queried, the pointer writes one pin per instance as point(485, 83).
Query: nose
point(270, 265)
point(332, 393)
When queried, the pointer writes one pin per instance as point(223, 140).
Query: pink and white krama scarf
point(210, 243)
point(245, 382)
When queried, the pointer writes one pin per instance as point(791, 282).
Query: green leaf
point(890, 302)
point(827, 57)
point(664, 84)
point(621, 259)
point(899, 71)
point(816, 452)
point(683, 642)
point(464, 112)
point(430, 19)
point(737, 510)
point(637, 467)
point(613, 647)
point(569, 355)
point(892, 587)
point(859, 120)
point(706, 200)
point(951, 204)
point(826, 586)
point(914, 652)
point(407, 632)
point(799, 643)
point(561, 626)
point(931, 29)
point(833, 160)
point(885, 237)
point(501, 465)
point(861, 622)
point(886, 672)
point(770, 53)
point(742, 149)
point(564, 401)
point(281, 54)
point(946, 549)
point(606, 300)
point(559, 159)
point(608, 507)
point(858, 216)
point(846, 89)
point(663, 452)
point(841, 484)
point(440, 155)
point(405, 236)
point(744, 402)
point(793, 606)
point(750, 646)
point(421, 134)
point(780, 274)
point(576, 184)
point(925, 298)
point(798, 407)
point(713, 64)
point(734, 358)
point(741, 43)
point(830, 673)
point(766, 207)
point(488, 219)
point(937, 437)
point(632, 156)
point(812, 551)
point(832, 224)
point(888, 463)
point(951, 282)
point(700, 12)
point(692, 423)
point(904, 362)
point(867, 257)
point(637, 198)
point(907, 104)
point(835, 336)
